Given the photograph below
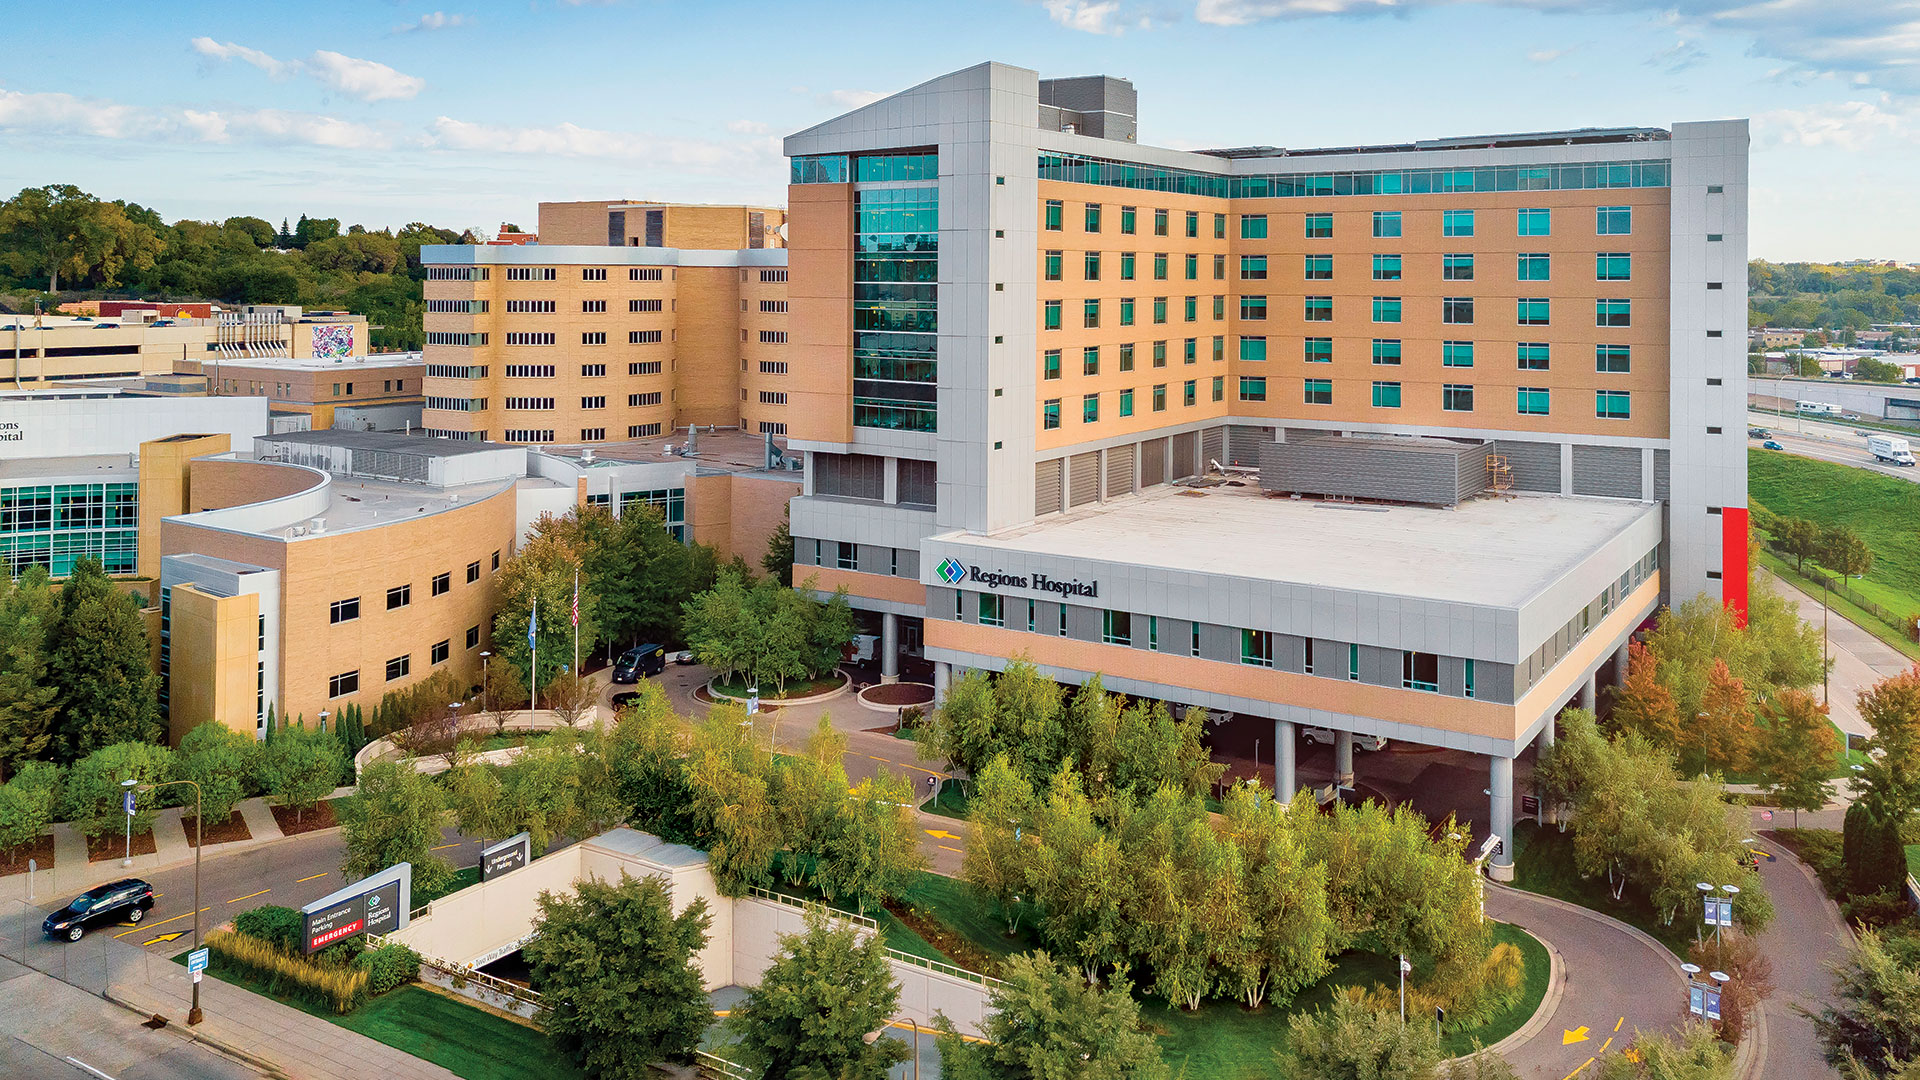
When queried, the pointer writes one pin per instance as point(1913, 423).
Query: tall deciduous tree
point(648, 752)
point(871, 854)
point(1796, 752)
point(824, 992)
point(1892, 768)
point(1044, 1022)
point(94, 791)
point(545, 571)
point(1775, 651)
point(99, 662)
point(393, 817)
point(1721, 738)
point(1845, 553)
point(1282, 942)
point(27, 803)
point(218, 759)
point(299, 766)
point(1643, 704)
point(1348, 1040)
point(1000, 857)
point(1799, 538)
point(620, 973)
point(732, 809)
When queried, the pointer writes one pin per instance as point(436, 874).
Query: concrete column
point(1620, 660)
point(1544, 741)
point(1500, 815)
point(890, 480)
point(1343, 758)
point(942, 673)
point(889, 647)
point(1589, 693)
point(1283, 772)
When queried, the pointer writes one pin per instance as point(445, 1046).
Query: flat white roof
point(1487, 551)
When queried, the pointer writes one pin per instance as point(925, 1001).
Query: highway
point(1837, 443)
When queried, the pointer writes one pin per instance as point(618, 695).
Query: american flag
point(576, 600)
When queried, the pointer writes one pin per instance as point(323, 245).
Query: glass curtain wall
point(896, 269)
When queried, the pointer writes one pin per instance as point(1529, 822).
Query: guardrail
point(795, 902)
point(941, 968)
point(716, 1066)
point(456, 970)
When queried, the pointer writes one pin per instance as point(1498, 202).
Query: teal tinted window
point(1456, 267)
point(1126, 402)
point(1534, 267)
point(1253, 388)
point(1531, 311)
point(1159, 354)
point(1386, 351)
point(891, 167)
point(54, 526)
point(1253, 226)
point(1193, 223)
point(1126, 266)
point(1219, 388)
point(1533, 400)
point(1192, 266)
point(1050, 414)
point(1256, 648)
point(1055, 215)
point(1160, 398)
point(1613, 313)
point(1386, 395)
point(1116, 627)
point(1535, 223)
point(1160, 266)
point(1612, 404)
point(1386, 223)
point(1090, 360)
point(1126, 311)
point(1126, 356)
point(1456, 398)
point(1353, 663)
point(1456, 354)
point(1386, 309)
point(1318, 391)
point(1089, 408)
point(1092, 263)
point(1318, 350)
point(1159, 309)
point(1385, 267)
point(1319, 226)
point(1190, 351)
point(895, 310)
point(1128, 220)
point(1456, 223)
point(1613, 266)
point(1613, 220)
point(1050, 364)
point(1090, 313)
point(1318, 268)
point(1219, 226)
point(1219, 307)
point(1532, 355)
point(992, 609)
point(1253, 348)
point(1613, 359)
point(1253, 307)
point(1159, 223)
point(1570, 176)
point(1191, 308)
point(1052, 263)
point(1318, 308)
point(1093, 217)
point(1052, 314)
point(1253, 267)
point(823, 169)
point(1189, 392)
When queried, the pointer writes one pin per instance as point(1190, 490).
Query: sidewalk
point(72, 873)
point(1859, 659)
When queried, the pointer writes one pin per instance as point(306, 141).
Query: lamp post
point(872, 1037)
point(199, 824)
point(323, 719)
point(1826, 620)
point(484, 653)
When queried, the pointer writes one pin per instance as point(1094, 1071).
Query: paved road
point(1859, 659)
point(52, 1031)
point(1617, 984)
point(1837, 443)
point(1805, 937)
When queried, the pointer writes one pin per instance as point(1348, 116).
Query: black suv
point(126, 900)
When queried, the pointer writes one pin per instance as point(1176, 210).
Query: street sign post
point(128, 802)
point(506, 856)
point(197, 961)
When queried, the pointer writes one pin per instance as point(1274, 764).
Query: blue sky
point(468, 114)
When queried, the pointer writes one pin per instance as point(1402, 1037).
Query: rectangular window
point(1055, 211)
point(640, 401)
point(1317, 308)
point(1456, 354)
point(1219, 307)
point(1534, 222)
point(1153, 633)
point(1090, 360)
point(1386, 395)
point(1386, 350)
point(1128, 220)
point(1613, 220)
point(1613, 359)
point(1385, 223)
point(1192, 267)
point(1063, 620)
point(440, 651)
point(1318, 267)
point(593, 305)
point(1318, 392)
point(1253, 226)
point(1256, 648)
point(1126, 266)
point(442, 584)
point(1093, 217)
point(1317, 350)
point(1188, 353)
point(399, 596)
point(1090, 408)
point(1126, 356)
point(1219, 226)
point(1193, 639)
point(1420, 671)
point(644, 337)
point(1455, 397)
point(1116, 627)
point(1531, 311)
point(1457, 310)
point(1219, 388)
point(1613, 266)
point(846, 556)
point(1052, 310)
point(1050, 364)
point(1051, 263)
point(598, 401)
point(1189, 393)
point(1532, 355)
point(1160, 398)
point(1613, 313)
point(1456, 268)
point(1253, 308)
point(1126, 402)
point(473, 637)
point(473, 571)
point(1353, 663)
point(1219, 268)
point(1091, 266)
point(1159, 309)
point(1090, 314)
point(1253, 388)
point(1385, 267)
point(496, 560)
point(1159, 354)
point(1159, 223)
point(346, 682)
point(1159, 266)
point(1456, 223)
point(1533, 400)
point(1050, 414)
point(993, 609)
point(1190, 309)
point(1386, 309)
point(1612, 404)
point(398, 667)
point(1467, 677)
point(1253, 348)
point(1254, 267)
point(1319, 226)
point(1533, 267)
point(593, 371)
point(344, 610)
point(1193, 224)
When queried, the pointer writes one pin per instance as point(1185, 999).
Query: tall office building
point(1401, 440)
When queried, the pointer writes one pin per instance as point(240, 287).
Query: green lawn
point(1842, 607)
point(1913, 860)
point(1882, 509)
point(796, 688)
point(1543, 863)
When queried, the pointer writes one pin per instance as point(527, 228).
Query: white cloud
point(1836, 125)
point(749, 127)
point(1678, 57)
point(1546, 56)
point(572, 140)
point(64, 114)
point(368, 80)
point(1087, 16)
point(434, 20)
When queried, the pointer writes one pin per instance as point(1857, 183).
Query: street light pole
point(128, 860)
point(483, 679)
point(872, 1037)
point(199, 845)
point(1826, 620)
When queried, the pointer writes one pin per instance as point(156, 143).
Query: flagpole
point(576, 622)
point(533, 643)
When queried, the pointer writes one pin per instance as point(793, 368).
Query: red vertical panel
point(1733, 560)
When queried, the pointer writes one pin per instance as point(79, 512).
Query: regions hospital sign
point(953, 572)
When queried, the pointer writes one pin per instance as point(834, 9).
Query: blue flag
point(532, 616)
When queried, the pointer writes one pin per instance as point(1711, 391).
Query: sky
point(381, 112)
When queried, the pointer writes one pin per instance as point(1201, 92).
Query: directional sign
point(374, 905)
point(1569, 1037)
point(506, 856)
point(197, 961)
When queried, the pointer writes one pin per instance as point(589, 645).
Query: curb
point(883, 709)
point(1556, 989)
point(253, 1061)
point(1673, 962)
point(784, 703)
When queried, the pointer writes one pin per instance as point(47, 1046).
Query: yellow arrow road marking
point(249, 896)
point(164, 937)
point(1569, 1037)
point(940, 834)
point(321, 874)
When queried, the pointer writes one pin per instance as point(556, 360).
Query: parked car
point(683, 657)
point(126, 900)
point(1327, 736)
point(1759, 433)
point(639, 662)
point(1771, 444)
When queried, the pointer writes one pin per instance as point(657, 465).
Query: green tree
point(1348, 1040)
point(53, 230)
point(299, 766)
point(1892, 769)
point(1799, 538)
point(94, 794)
point(1392, 887)
point(826, 990)
point(1082, 879)
point(621, 976)
point(1879, 370)
point(1696, 1054)
point(1017, 713)
point(257, 230)
point(733, 814)
point(1871, 851)
point(647, 753)
point(1843, 552)
point(718, 625)
point(544, 571)
point(27, 803)
point(1796, 752)
point(778, 561)
point(871, 852)
point(999, 861)
point(28, 697)
point(393, 817)
point(99, 663)
point(311, 230)
point(1874, 1019)
point(637, 572)
point(220, 760)
point(1282, 942)
point(1722, 737)
point(555, 788)
point(1775, 651)
point(1044, 1022)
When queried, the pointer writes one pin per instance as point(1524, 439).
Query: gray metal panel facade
point(1662, 474)
point(1119, 471)
point(1244, 443)
point(1213, 447)
point(1185, 455)
point(1536, 465)
point(1370, 469)
point(1046, 486)
point(1153, 462)
point(1083, 479)
point(1612, 471)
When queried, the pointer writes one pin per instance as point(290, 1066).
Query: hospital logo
point(951, 571)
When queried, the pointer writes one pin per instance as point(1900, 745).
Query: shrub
point(388, 966)
point(1820, 849)
point(1872, 851)
point(278, 926)
point(341, 988)
point(1877, 909)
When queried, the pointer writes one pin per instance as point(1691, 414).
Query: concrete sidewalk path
point(1859, 659)
point(72, 873)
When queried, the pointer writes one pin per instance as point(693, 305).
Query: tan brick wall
point(820, 313)
point(215, 484)
point(214, 653)
point(165, 487)
point(573, 222)
point(709, 347)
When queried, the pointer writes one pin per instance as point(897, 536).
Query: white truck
point(1890, 449)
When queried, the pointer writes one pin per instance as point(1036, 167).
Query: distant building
point(36, 351)
point(381, 392)
point(1776, 339)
